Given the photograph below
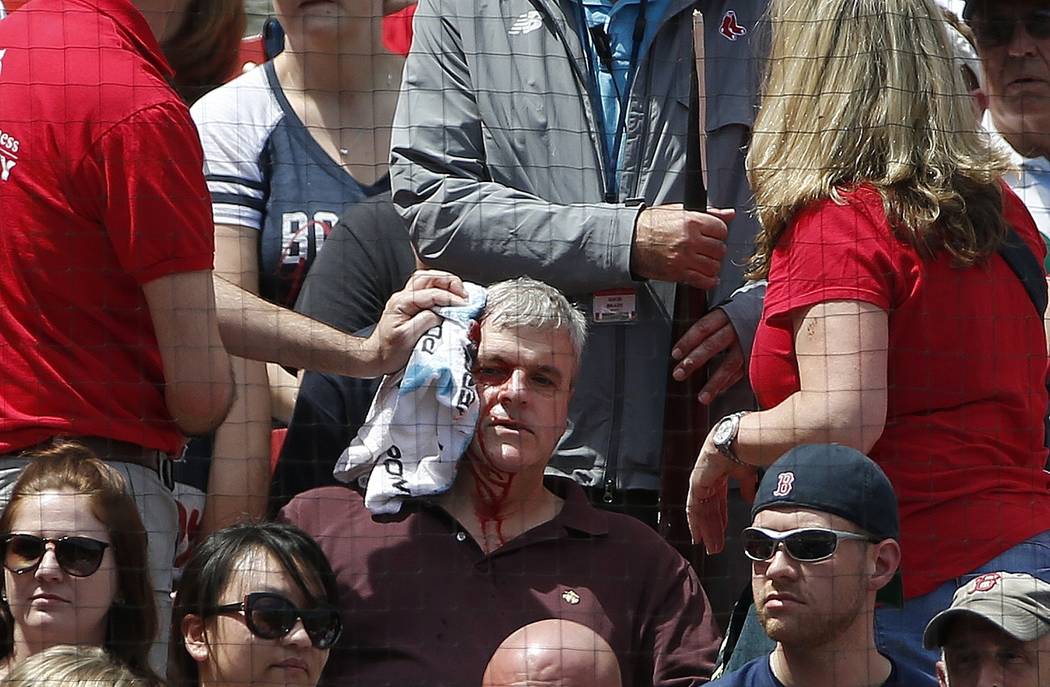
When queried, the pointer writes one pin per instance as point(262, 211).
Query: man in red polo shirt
point(108, 326)
point(109, 332)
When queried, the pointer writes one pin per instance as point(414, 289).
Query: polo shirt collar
point(577, 513)
point(577, 516)
point(133, 26)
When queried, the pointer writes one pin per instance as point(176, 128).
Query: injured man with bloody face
point(429, 593)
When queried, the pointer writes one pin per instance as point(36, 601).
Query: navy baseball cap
point(832, 479)
point(839, 480)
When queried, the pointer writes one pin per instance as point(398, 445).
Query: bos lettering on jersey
point(296, 230)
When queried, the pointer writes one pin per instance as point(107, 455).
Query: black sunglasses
point(808, 545)
point(995, 32)
point(272, 616)
point(78, 556)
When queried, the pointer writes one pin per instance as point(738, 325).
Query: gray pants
point(159, 515)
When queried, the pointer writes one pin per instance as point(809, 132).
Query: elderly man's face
point(524, 379)
point(1013, 39)
point(979, 654)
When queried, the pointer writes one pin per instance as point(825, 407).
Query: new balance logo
point(526, 23)
point(730, 28)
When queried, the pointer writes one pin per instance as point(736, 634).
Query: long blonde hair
point(866, 91)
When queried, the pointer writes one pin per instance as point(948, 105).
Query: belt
point(111, 450)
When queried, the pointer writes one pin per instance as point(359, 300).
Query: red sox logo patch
point(985, 583)
point(784, 482)
point(730, 28)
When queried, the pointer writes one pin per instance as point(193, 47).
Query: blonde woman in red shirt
point(891, 323)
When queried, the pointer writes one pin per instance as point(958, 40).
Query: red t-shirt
point(101, 191)
point(963, 444)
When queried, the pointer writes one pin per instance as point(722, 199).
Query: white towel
point(422, 419)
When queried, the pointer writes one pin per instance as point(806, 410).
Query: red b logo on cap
point(985, 583)
point(784, 482)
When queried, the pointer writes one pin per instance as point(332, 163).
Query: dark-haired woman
point(256, 605)
point(75, 565)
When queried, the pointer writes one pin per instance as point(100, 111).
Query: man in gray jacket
point(549, 139)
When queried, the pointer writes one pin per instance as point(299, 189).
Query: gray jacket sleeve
point(744, 310)
point(468, 219)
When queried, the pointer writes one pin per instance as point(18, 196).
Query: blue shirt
point(617, 18)
point(758, 673)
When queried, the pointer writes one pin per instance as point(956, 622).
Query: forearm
point(254, 328)
point(576, 248)
point(239, 477)
point(284, 389)
point(852, 418)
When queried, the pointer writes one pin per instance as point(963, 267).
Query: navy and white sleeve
point(235, 123)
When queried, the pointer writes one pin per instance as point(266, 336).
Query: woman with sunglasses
point(893, 322)
point(75, 565)
point(256, 605)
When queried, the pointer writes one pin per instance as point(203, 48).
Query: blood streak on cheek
point(491, 487)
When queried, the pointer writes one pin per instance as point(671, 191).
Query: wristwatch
point(724, 436)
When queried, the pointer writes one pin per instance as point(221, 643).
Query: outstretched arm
point(254, 328)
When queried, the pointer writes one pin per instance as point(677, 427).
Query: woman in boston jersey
point(892, 322)
point(288, 147)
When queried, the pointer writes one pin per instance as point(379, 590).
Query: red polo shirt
point(101, 191)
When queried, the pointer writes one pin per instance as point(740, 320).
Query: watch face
point(723, 430)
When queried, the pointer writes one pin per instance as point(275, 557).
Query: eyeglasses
point(807, 545)
point(995, 32)
point(78, 556)
point(271, 616)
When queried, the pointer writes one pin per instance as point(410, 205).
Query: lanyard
point(587, 39)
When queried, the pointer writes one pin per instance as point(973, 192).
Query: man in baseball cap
point(996, 632)
point(823, 544)
point(1013, 42)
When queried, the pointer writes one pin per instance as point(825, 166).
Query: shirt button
point(461, 536)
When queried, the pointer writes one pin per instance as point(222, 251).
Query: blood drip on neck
point(491, 488)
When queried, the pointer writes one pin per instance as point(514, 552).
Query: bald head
point(553, 653)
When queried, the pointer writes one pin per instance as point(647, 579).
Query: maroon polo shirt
point(423, 605)
point(101, 191)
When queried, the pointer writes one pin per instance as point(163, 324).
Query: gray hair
point(75, 666)
point(526, 302)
